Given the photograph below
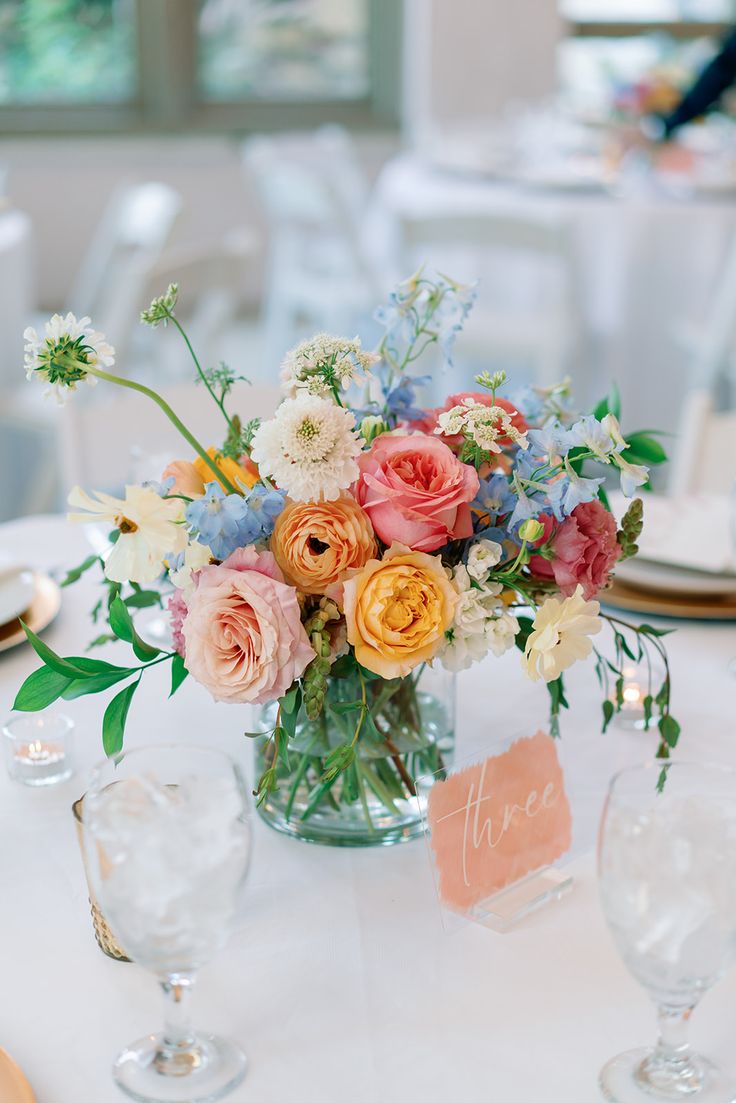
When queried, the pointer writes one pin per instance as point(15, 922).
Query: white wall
point(467, 59)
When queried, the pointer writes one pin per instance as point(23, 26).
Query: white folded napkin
point(697, 532)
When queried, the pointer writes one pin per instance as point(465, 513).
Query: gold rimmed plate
point(44, 606)
point(681, 606)
point(14, 1088)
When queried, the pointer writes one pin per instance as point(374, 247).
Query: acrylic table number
point(495, 829)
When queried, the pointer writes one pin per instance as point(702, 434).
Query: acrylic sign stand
point(498, 831)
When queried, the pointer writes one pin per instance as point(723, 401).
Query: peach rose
point(415, 490)
point(243, 633)
point(397, 610)
point(191, 478)
point(316, 542)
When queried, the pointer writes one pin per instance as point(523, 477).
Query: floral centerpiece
point(335, 564)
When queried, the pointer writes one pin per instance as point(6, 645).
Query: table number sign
point(494, 830)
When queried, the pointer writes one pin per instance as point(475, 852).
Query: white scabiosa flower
point(62, 356)
point(323, 363)
point(483, 555)
point(561, 635)
point(150, 529)
point(309, 449)
point(481, 623)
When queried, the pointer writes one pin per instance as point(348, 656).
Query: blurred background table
point(342, 980)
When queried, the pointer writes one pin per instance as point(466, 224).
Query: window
point(115, 65)
point(622, 54)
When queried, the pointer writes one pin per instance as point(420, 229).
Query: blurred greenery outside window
point(615, 47)
point(240, 65)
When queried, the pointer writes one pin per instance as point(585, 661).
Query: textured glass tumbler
point(667, 876)
point(167, 835)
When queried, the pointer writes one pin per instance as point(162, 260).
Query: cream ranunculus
point(397, 610)
point(315, 543)
point(561, 635)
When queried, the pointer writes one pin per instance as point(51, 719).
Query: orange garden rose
point(397, 610)
point(316, 542)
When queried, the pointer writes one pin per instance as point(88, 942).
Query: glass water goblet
point(168, 840)
point(667, 877)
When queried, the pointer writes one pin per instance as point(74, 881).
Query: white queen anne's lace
point(312, 364)
point(309, 448)
point(489, 426)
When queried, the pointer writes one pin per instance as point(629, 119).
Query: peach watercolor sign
point(497, 821)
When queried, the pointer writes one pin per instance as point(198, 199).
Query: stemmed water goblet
point(168, 841)
point(667, 876)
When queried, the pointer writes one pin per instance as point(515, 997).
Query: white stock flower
point(483, 555)
point(62, 355)
point(196, 555)
point(561, 635)
point(313, 364)
point(309, 448)
point(481, 623)
point(149, 528)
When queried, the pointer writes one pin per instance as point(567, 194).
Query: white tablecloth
point(343, 983)
point(646, 264)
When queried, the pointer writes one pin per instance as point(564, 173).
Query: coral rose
point(397, 610)
point(316, 542)
point(583, 549)
point(243, 632)
point(416, 491)
point(430, 421)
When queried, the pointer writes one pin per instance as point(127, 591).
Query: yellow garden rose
point(397, 610)
point(315, 543)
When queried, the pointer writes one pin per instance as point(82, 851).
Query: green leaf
point(645, 448)
point(98, 641)
point(281, 738)
point(178, 673)
point(669, 729)
point(70, 668)
point(113, 722)
point(40, 689)
point(648, 704)
point(608, 711)
point(647, 630)
point(81, 687)
point(619, 693)
point(143, 599)
point(122, 625)
point(76, 573)
point(291, 701)
point(346, 706)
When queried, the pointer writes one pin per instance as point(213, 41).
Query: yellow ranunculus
point(397, 610)
point(239, 474)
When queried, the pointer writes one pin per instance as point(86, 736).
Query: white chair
point(704, 458)
point(112, 283)
point(534, 255)
point(320, 273)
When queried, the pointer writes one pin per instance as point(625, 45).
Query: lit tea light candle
point(639, 682)
point(38, 748)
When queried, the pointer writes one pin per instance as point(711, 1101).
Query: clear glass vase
point(377, 800)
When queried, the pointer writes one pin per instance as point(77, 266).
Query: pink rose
point(584, 550)
point(416, 491)
point(243, 632)
point(430, 421)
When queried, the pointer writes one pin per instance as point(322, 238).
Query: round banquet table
point(343, 982)
point(646, 266)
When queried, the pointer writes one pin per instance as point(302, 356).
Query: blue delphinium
point(495, 497)
point(228, 521)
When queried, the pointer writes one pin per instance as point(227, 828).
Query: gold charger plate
point(682, 606)
point(14, 1088)
point(39, 614)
